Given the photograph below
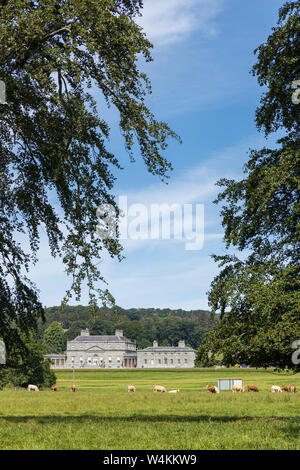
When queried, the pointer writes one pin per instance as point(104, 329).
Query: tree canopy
point(56, 58)
point(22, 369)
point(54, 338)
point(259, 297)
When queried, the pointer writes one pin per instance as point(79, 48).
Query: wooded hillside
point(141, 325)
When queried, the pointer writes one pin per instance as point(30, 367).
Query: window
point(159, 361)
point(171, 360)
point(89, 360)
point(145, 361)
point(166, 360)
point(178, 361)
point(109, 359)
point(118, 359)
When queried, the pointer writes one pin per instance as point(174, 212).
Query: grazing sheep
point(159, 388)
point(252, 388)
point(292, 388)
point(73, 388)
point(131, 388)
point(276, 388)
point(284, 388)
point(54, 388)
point(238, 388)
point(32, 387)
point(212, 389)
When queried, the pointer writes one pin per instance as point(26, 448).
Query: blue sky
point(201, 82)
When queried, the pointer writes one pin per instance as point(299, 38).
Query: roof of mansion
point(101, 338)
point(168, 348)
point(155, 348)
point(118, 337)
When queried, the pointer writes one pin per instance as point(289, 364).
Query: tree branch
point(32, 48)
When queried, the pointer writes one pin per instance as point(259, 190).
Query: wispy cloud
point(160, 272)
point(169, 21)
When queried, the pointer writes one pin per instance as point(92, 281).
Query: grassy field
point(102, 415)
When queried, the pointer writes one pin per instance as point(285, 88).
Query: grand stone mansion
point(115, 352)
point(166, 356)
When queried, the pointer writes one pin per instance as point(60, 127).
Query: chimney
point(118, 332)
point(155, 343)
point(85, 332)
point(181, 343)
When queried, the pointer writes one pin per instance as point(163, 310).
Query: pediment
point(95, 349)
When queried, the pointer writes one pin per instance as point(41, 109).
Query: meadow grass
point(102, 415)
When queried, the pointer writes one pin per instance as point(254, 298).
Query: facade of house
point(105, 351)
point(117, 352)
point(166, 356)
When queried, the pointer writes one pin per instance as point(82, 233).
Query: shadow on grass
point(286, 426)
point(90, 418)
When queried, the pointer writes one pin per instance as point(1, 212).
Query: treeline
point(141, 325)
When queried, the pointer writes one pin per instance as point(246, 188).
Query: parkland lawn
point(102, 415)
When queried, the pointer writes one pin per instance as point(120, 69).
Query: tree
point(102, 327)
point(165, 343)
point(259, 297)
point(54, 338)
point(75, 329)
point(55, 169)
point(25, 364)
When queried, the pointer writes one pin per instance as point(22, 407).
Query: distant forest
point(140, 325)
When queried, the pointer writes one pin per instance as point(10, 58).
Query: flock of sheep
point(54, 388)
point(253, 388)
point(214, 389)
point(209, 388)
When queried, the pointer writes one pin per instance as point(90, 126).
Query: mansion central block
point(115, 351)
